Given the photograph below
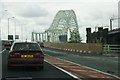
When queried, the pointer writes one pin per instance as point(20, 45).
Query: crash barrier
point(111, 48)
point(77, 47)
point(73, 50)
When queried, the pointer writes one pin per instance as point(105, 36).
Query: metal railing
point(111, 48)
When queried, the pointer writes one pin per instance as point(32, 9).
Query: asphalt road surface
point(96, 61)
point(100, 62)
point(48, 72)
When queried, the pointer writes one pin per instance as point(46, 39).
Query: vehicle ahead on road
point(41, 44)
point(25, 54)
point(7, 43)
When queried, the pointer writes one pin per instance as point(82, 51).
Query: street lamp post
point(21, 33)
point(111, 22)
point(1, 20)
point(15, 30)
point(8, 24)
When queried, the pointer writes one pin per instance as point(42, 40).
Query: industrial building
point(103, 36)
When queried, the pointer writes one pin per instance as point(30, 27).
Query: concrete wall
point(94, 47)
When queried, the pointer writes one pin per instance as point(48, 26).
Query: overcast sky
point(37, 16)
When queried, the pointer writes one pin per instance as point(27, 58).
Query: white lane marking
point(88, 67)
point(64, 71)
point(93, 71)
point(72, 66)
point(84, 70)
point(78, 70)
point(58, 63)
point(2, 51)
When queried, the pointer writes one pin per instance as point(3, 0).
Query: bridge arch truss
point(64, 22)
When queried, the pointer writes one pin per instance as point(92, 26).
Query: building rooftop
point(114, 31)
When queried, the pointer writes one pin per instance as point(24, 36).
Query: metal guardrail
point(111, 48)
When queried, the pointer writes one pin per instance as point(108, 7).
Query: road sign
point(10, 37)
point(16, 36)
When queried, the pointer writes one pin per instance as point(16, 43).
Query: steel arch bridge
point(64, 22)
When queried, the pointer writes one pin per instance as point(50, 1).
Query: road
point(48, 72)
point(95, 61)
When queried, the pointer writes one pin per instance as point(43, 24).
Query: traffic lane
point(47, 72)
point(34, 72)
point(83, 54)
point(102, 63)
point(86, 55)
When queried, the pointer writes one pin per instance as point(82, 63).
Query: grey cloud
point(39, 17)
point(31, 11)
point(26, 10)
point(97, 15)
point(43, 21)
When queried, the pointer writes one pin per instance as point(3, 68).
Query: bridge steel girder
point(64, 21)
point(68, 20)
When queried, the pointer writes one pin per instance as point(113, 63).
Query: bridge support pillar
point(46, 36)
point(32, 38)
point(36, 38)
point(42, 37)
point(39, 37)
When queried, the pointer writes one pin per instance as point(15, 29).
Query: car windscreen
point(26, 46)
